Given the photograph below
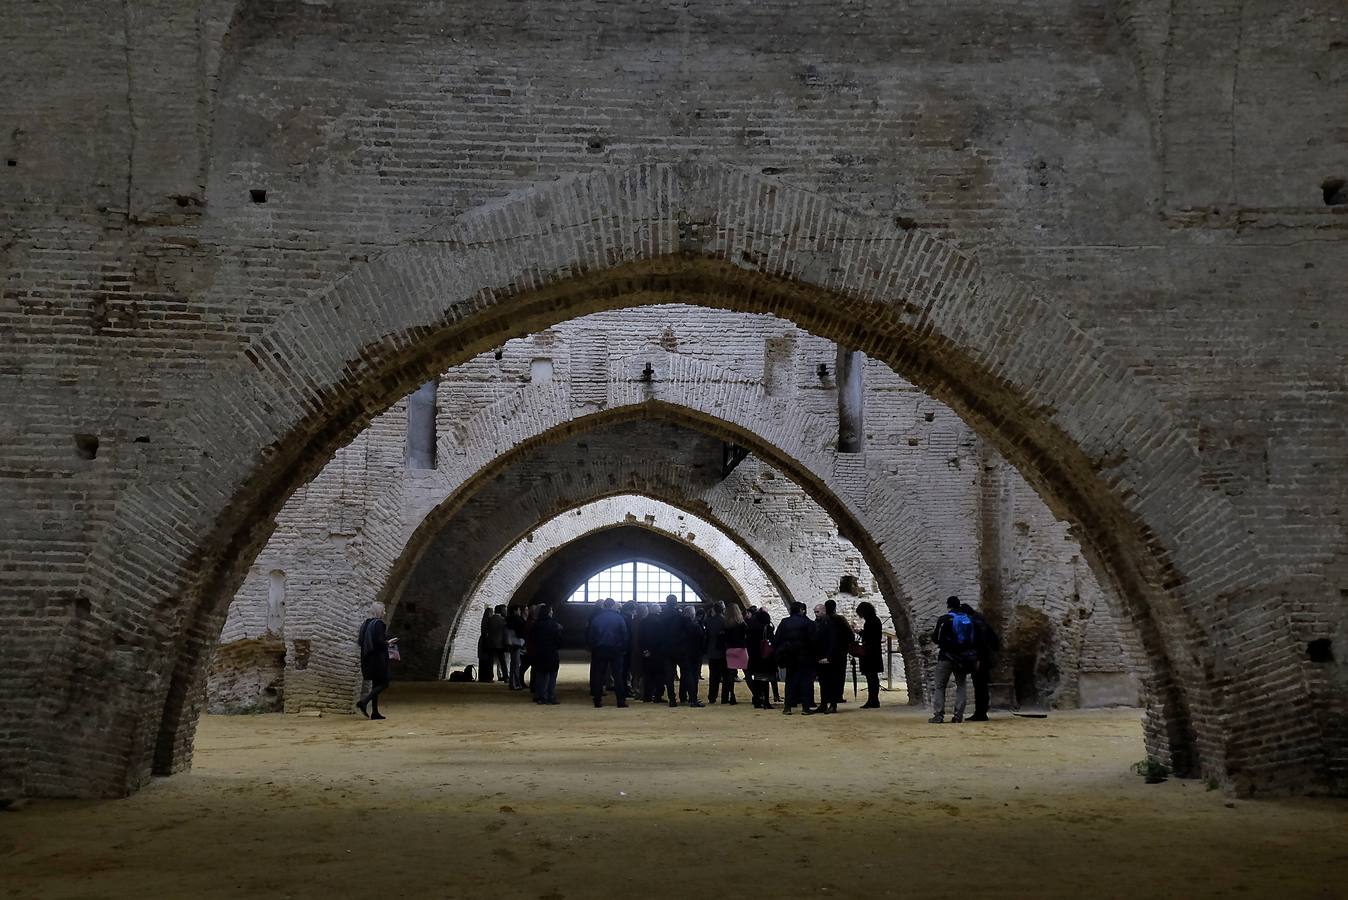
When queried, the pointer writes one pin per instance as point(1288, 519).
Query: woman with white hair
point(374, 653)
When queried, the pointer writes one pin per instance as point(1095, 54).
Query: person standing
point(822, 635)
point(956, 654)
point(629, 613)
point(374, 643)
point(833, 664)
point(652, 658)
point(669, 648)
point(496, 642)
point(793, 648)
point(870, 663)
point(986, 645)
point(545, 654)
point(762, 667)
point(735, 643)
point(692, 640)
point(514, 641)
point(607, 639)
point(484, 654)
point(714, 625)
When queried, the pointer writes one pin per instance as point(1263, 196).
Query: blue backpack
point(962, 627)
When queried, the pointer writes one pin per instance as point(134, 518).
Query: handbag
point(737, 657)
point(393, 654)
point(857, 649)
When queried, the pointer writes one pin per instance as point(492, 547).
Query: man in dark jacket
point(692, 640)
point(833, 664)
point(986, 644)
point(822, 636)
point(607, 639)
point(794, 648)
point(485, 657)
point(714, 625)
point(496, 641)
point(652, 647)
point(956, 654)
point(670, 645)
point(545, 646)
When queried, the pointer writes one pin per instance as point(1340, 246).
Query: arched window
point(640, 581)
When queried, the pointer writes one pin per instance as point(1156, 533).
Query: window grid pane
point(640, 581)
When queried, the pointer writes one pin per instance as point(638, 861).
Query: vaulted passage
point(1005, 340)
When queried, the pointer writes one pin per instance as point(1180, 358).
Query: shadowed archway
point(1086, 432)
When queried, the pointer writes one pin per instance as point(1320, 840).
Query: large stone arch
point(1087, 433)
point(439, 553)
point(519, 563)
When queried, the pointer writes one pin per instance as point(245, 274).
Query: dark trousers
point(669, 672)
point(831, 679)
point(728, 684)
point(516, 673)
point(982, 675)
point(873, 688)
point(484, 661)
point(372, 698)
point(800, 686)
point(653, 677)
point(545, 681)
point(690, 672)
point(715, 675)
point(606, 665)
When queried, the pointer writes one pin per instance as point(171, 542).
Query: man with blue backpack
point(957, 653)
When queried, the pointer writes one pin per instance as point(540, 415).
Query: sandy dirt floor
point(468, 791)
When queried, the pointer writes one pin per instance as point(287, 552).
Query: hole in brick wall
point(540, 371)
point(257, 195)
point(595, 145)
point(499, 353)
point(86, 446)
point(1335, 191)
point(143, 439)
point(1320, 650)
point(848, 584)
point(11, 163)
point(301, 654)
point(930, 417)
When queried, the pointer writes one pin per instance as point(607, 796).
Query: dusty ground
point(467, 791)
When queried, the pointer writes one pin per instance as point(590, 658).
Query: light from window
point(639, 581)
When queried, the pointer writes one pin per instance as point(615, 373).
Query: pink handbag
point(737, 657)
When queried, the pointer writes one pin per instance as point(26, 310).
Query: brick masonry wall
point(1153, 169)
point(915, 449)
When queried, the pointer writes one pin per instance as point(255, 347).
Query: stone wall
point(915, 451)
point(1157, 279)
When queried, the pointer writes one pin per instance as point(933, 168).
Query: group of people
point(659, 656)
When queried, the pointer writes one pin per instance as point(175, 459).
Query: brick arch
point(554, 422)
point(607, 520)
point(1086, 432)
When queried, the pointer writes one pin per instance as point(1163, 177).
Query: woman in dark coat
point(762, 669)
point(734, 636)
point(871, 662)
point(545, 645)
point(374, 642)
